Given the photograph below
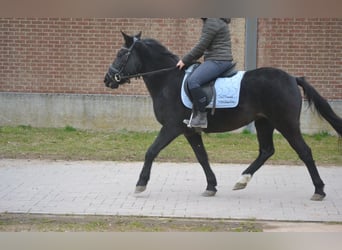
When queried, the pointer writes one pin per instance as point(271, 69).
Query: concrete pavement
point(107, 188)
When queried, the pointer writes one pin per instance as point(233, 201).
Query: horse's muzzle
point(108, 80)
point(112, 79)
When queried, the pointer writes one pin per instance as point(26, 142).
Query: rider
point(215, 45)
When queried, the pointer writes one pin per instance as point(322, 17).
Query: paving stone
point(90, 187)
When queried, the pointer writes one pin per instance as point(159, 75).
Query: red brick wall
point(71, 55)
point(66, 55)
point(304, 46)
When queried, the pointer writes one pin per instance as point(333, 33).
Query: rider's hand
point(180, 64)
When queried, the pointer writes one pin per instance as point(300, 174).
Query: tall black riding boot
point(199, 117)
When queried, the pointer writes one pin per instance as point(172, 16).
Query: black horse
point(268, 96)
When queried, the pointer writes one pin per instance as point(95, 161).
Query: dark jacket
point(214, 42)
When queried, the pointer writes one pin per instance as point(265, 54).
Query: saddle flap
point(208, 89)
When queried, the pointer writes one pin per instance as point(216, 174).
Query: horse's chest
point(166, 107)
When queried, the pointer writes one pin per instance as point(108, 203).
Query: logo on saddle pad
point(227, 90)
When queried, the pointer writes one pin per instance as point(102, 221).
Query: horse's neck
point(165, 82)
point(153, 64)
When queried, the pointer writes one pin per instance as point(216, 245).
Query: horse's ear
point(138, 35)
point(128, 39)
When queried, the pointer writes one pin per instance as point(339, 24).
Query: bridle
point(118, 77)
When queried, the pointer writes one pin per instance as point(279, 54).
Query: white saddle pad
point(227, 91)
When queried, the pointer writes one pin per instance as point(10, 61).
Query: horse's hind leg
point(295, 138)
point(266, 149)
point(197, 145)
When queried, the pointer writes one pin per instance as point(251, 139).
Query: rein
point(118, 77)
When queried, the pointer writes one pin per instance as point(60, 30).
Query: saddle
point(209, 88)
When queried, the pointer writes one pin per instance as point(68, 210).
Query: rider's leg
point(204, 73)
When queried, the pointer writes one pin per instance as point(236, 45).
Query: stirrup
point(188, 121)
point(189, 125)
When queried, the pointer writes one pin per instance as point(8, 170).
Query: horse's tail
point(321, 105)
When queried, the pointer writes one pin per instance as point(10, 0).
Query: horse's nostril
point(106, 79)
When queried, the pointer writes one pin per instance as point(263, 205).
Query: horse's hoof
point(139, 189)
point(208, 193)
point(242, 182)
point(317, 197)
point(239, 186)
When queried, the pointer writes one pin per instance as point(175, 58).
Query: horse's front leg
point(165, 136)
point(197, 145)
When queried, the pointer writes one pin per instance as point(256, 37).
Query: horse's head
point(125, 64)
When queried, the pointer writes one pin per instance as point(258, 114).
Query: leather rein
point(118, 77)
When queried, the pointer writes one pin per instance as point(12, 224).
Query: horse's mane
point(158, 48)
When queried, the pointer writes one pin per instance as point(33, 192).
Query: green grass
point(93, 223)
point(71, 144)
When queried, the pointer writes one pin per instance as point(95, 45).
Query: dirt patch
point(76, 223)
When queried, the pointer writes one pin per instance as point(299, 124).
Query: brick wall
point(72, 55)
point(304, 46)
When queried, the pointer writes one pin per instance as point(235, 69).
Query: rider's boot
point(198, 118)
